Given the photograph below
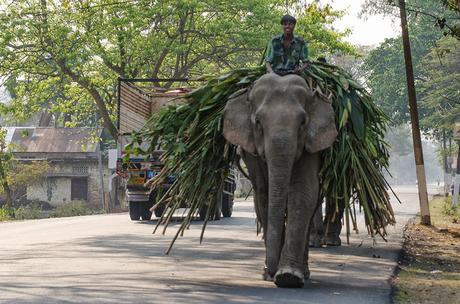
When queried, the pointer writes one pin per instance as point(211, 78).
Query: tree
point(441, 87)
point(16, 175)
point(353, 63)
point(445, 14)
point(384, 65)
point(384, 68)
point(5, 157)
point(65, 56)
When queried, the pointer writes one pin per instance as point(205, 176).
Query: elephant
point(280, 126)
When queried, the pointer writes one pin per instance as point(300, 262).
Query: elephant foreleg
point(302, 203)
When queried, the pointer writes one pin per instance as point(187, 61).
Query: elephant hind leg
point(316, 235)
point(333, 222)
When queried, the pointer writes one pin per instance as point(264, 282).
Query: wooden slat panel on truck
point(134, 108)
point(139, 102)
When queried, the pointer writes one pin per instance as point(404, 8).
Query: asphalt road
point(109, 259)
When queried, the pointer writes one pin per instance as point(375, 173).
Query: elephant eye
point(303, 118)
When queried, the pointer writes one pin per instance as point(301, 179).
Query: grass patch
point(73, 208)
point(36, 210)
point(443, 214)
point(430, 268)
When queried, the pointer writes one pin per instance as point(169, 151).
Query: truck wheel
point(202, 213)
point(214, 217)
point(227, 205)
point(134, 211)
point(146, 213)
point(159, 211)
point(217, 214)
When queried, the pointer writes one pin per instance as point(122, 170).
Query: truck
point(138, 100)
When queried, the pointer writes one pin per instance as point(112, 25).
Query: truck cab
point(141, 198)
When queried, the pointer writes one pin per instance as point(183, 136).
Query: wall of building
point(57, 189)
point(54, 190)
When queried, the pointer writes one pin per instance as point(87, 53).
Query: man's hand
point(304, 65)
point(269, 67)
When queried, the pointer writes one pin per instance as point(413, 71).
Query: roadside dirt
point(429, 270)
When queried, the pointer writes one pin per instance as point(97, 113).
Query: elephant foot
point(333, 240)
point(266, 276)
point(316, 242)
point(289, 277)
point(306, 275)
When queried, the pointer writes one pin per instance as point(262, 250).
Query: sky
point(371, 31)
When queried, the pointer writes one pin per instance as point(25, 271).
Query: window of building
point(80, 169)
point(79, 188)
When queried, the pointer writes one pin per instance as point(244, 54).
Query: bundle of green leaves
point(200, 158)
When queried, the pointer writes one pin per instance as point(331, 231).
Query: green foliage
point(73, 208)
point(28, 212)
point(386, 74)
point(440, 89)
point(6, 214)
point(443, 14)
point(448, 208)
point(65, 56)
point(27, 173)
point(15, 175)
point(435, 60)
point(5, 158)
point(200, 157)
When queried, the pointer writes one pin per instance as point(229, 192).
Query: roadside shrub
point(28, 212)
point(5, 214)
point(452, 212)
point(73, 208)
point(447, 207)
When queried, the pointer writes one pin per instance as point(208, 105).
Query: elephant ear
point(237, 121)
point(321, 129)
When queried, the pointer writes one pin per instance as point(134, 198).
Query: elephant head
point(278, 119)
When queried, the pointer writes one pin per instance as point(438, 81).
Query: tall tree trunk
point(446, 165)
point(45, 119)
point(5, 185)
point(102, 109)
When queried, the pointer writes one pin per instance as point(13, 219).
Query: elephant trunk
point(279, 174)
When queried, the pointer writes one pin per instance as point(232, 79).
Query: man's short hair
point(288, 18)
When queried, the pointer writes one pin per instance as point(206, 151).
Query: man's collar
point(294, 38)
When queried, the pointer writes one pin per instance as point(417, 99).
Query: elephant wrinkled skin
point(281, 126)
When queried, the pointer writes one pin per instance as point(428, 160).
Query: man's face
point(288, 27)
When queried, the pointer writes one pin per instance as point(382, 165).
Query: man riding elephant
point(286, 53)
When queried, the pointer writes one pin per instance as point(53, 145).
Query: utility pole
point(457, 171)
point(457, 179)
point(418, 152)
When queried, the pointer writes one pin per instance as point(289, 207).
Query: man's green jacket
point(289, 60)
